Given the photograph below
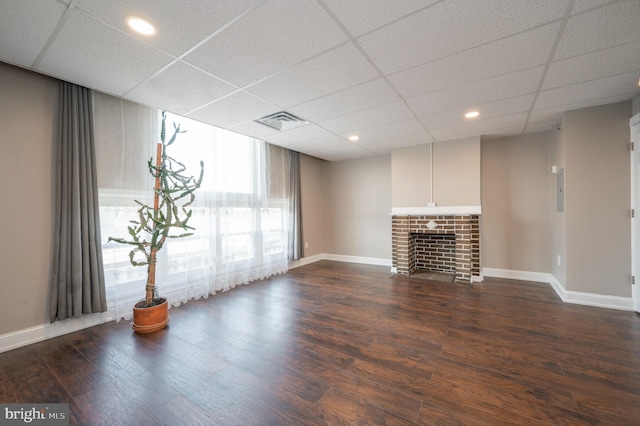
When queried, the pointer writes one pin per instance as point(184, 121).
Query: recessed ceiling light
point(140, 25)
point(354, 138)
point(472, 114)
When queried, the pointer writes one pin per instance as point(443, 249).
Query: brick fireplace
point(438, 243)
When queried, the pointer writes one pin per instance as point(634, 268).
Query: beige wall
point(456, 174)
point(28, 106)
point(314, 208)
point(515, 221)
point(598, 200)
point(408, 166)
point(358, 196)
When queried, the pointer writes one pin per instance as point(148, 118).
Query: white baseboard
point(575, 297)
point(39, 333)
point(357, 259)
point(340, 258)
point(305, 261)
point(539, 277)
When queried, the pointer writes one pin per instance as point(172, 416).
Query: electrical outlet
point(558, 260)
point(306, 244)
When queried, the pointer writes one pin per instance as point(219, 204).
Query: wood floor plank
point(337, 343)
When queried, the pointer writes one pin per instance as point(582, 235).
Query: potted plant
point(167, 218)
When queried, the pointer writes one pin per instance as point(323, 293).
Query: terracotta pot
point(154, 318)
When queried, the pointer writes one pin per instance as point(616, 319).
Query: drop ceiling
point(395, 72)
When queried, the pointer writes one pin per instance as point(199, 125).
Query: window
point(241, 222)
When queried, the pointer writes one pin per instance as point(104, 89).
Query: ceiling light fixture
point(354, 138)
point(140, 25)
point(472, 114)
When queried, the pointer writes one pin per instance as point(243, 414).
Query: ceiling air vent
point(282, 121)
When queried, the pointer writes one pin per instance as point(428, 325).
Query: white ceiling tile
point(386, 144)
point(169, 16)
point(621, 85)
point(518, 52)
point(396, 128)
point(326, 142)
point(419, 38)
point(180, 88)
point(478, 93)
point(255, 130)
point(603, 63)
point(106, 60)
point(490, 110)
point(545, 115)
point(361, 16)
point(343, 152)
point(389, 113)
point(308, 132)
point(540, 127)
point(335, 70)
point(582, 5)
point(237, 108)
point(481, 127)
point(608, 26)
point(367, 95)
point(25, 27)
point(500, 133)
point(274, 36)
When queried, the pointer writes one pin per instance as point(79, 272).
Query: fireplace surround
point(458, 233)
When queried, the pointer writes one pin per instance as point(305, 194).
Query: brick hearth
point(409, 240)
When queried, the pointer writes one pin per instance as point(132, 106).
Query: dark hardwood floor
point(336, 343)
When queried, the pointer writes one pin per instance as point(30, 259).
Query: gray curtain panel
point(296, 250)
point(77, 275)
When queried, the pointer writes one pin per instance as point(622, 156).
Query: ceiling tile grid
point(95, 55)
point(367, 95)
point(201, 18)
point(478, 93)
point(608, 26)
point(272, 37)
point(20, 47)
point(395, 72)
point(525, 50)
point(453, 26)
point(338, 69)
point(237, 108)
point(180, 88)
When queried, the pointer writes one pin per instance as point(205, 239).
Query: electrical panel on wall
point(560, 189)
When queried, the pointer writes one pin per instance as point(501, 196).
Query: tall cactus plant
point(173, 193)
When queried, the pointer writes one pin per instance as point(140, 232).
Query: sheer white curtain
point(240, 214)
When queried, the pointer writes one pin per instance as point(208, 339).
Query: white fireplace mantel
point(436, 211)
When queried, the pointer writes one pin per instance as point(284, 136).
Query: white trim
point(341, 258)
point(304, 261)
point(575, 297)
point(358, 259)
point(558, 288)
point(599, 300)
point(539, 277)
point(436, 211)
point(39, 333)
